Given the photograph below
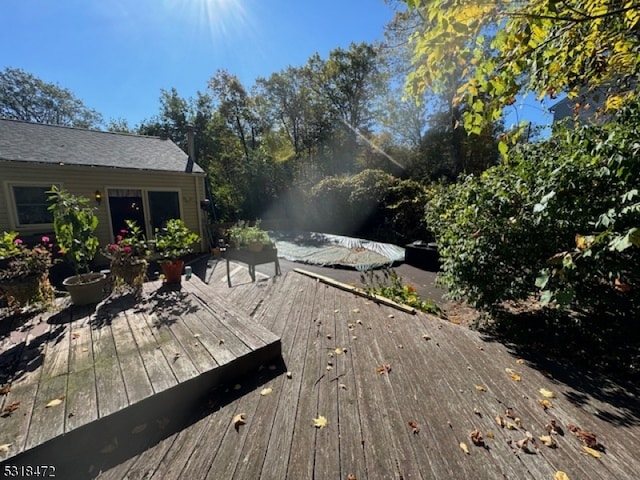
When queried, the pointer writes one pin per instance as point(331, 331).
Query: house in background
point(146, 179)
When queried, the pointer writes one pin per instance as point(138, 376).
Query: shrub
point(560, 221)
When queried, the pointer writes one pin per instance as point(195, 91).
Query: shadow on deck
point(88, 389)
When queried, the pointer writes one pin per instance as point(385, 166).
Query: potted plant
point(24, 271)
point(128, 257)
point(242, 235)
point(172, 242)
point(74, 223)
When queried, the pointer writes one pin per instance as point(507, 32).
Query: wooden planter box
point(243, 255)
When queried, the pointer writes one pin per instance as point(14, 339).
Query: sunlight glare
point(220, 17)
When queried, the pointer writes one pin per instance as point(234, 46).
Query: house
point(146, 179)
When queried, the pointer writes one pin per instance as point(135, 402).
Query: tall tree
point(26, 97)
point(349, 80)
point(546, 47)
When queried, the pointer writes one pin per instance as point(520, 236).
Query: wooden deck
point(370, 370)
point(125, 374)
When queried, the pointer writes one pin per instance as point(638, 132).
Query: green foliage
point(74, 223)
point(175, 240)
point(242, 234)
point(390, 285)
point(373, 204)
point(560, 221)
point(26, 97)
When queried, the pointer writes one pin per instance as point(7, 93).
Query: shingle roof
point(33, 142)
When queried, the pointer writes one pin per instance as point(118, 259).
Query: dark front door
point(125, 204)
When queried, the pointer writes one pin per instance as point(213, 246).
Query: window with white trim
point(31, 204)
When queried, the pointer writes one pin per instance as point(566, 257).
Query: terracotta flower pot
point(172, 271)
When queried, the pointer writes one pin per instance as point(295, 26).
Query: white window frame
point(13, 205)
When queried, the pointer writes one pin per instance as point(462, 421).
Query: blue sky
point(116, 55)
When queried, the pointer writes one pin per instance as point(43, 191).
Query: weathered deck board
point(97, 366)
point(432, 382)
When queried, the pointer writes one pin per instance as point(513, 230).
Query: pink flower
point(18, 241)
point(127, 249)
point(113, 246)
point(45, 239)
point(118, 238)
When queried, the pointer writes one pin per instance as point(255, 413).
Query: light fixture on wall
point(98, 197)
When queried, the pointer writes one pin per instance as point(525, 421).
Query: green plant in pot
point(74, 223)
point(242, 235)
point(173, 242)
point(128, 256)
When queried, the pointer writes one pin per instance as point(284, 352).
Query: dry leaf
point(356, 310)
point(139, 429)
point(490, 434)
point(391, 315)
point(75, 335)
point(523, 444)
point(480, 388)
point(518, 422)
point(320, 422)
point(560, 475)
point(54, 402)
point(4, 390)
point(476, 438)
point(329, 336)
point(414, 427)
point(591, 451)
point(514, 376)
point(511, 426)
point(477, 412)
point(11, 407)
point(239, 419)
point(548, 440)
point(426, 337)
point(329, 367)
point(342, 386)
point(221, 341)
point(266, 391)
point(545, 403)
point(547, 393)
point(289, 374)
point(464, 448)
point(520, 361)
point(509, 413)
point(5, 447)
point(339, 351)
point(500, 421)
point(351, 476)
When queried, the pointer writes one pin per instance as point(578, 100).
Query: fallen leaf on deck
point(339, 351)
point(110, 447)
point(4, 390)
point(342, 386)
point(476, 438)
point(320, 422)
point(5, 447)
point(477, 412)
point(514, 375)
point(336, 311)
point(356, 310)
point(328, 336)
point(509, 413)
point(266, 391)
point(54, 402)
point(480, 388)
point(359, 322)
point(11, 407)
point(500, 420)
point(414, 427)
point(523, 444)
point(139, 429)
point(518, 422)
point(511, 426)
point(391, 315)
point(464, 448)
point(547, 393)
point(548, 440)
point(560, 475)
point(75, 335)
point(553, 427)
point(426, 337)
point(221, 341)
point(289, 374)
point(351, 477)
point(380, 370)
point(545, 403)
point(591, 451)
point(239, 419)
point(490, 434)
point(520, 361)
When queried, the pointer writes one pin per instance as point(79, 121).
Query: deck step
point(126, 376)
